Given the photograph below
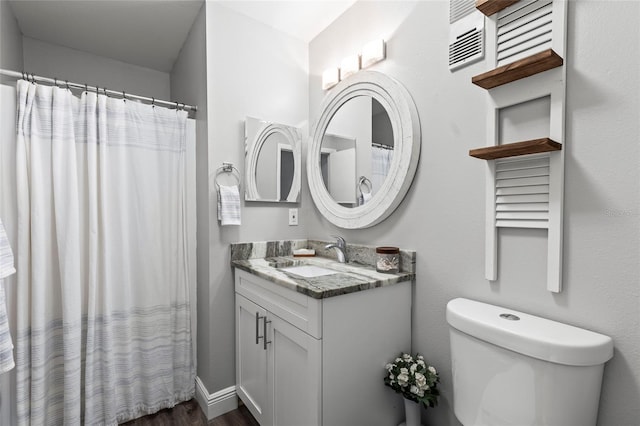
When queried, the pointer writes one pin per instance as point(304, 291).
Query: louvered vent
point(460, 8)
point(522, 192)
point(524, 29)
point(466, 33)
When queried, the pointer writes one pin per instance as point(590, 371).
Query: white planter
point(411, 413)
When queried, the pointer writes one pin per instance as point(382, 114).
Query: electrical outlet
point(293, 217)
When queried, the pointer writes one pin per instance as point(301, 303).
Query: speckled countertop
point(265, 260)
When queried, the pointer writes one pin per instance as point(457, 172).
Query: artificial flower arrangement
point(414, 379)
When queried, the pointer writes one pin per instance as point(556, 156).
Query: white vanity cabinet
point(323, 361)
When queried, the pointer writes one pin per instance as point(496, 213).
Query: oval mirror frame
point(252, 153)
point(403, 115)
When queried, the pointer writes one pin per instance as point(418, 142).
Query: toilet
point(515, 369)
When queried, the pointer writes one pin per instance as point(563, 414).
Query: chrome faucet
point(341, 248)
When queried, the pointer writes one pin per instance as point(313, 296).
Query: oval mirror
point(364, 150)
point(272, 161)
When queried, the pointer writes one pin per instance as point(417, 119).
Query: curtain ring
point(33, 78)
point(55, 81)
point(86, 89)
point(176, 105)
point(124, 96)
point(67, 84)
point(153, 102)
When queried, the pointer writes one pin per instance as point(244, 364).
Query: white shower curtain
point(103, 316)
point(381, 159)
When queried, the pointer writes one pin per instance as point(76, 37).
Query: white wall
point(54, 61)
point(442, 216)
point(252, 70)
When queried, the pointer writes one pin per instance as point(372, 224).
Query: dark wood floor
point(189, 414)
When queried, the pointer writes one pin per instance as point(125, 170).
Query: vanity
point(313, 335)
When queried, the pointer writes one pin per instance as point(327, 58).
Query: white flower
point(414, 389)
point(413, 368)
point(389, 367)
point(421, 381)
point(432, 370)
point(420, 357)
point(398, 360)
point(407, 357)
point(403, 377)
point(421, 363)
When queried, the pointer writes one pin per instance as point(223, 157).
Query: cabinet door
point(251, 359)
point(294, 375)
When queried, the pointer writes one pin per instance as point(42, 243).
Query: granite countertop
point(349, 277)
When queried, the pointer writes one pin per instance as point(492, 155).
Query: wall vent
point(524, 29)
point(466, 33)
point(522, 192)
point(460, 8)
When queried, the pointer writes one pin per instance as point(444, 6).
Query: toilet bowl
point(515, 369)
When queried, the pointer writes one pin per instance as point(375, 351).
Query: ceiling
point(150, 33)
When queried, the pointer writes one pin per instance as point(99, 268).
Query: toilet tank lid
point(529, 335)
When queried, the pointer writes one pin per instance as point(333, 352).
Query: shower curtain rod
point(122, 94)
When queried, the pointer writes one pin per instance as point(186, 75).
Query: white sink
point(309, 271)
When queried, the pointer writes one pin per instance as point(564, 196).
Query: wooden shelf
point(534, 146)
point(523, 68)
point(489, 7)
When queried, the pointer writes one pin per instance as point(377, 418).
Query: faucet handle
point(341, 241)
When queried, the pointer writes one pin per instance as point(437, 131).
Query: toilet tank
point(515, 369)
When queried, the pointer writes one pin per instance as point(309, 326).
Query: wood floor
point(189, 414)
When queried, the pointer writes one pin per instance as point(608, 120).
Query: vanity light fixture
point(349, 66)
point(373, 52)
point(330, 77)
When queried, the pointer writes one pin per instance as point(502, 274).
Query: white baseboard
point(218, 403)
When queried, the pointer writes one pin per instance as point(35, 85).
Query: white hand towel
point(229, 205)
point(6, 344)
point(6, 269)
point(366, 196)
point(6, 255)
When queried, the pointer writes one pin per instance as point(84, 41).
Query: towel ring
point(363, 180)
point(227, 168)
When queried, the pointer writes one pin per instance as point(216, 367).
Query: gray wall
point(189, 84)
point(442, 216)
point(55, 61)
point(10, 40)
point(252, 70)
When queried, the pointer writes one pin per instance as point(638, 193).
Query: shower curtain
point(380, 163)
point(103, 316)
